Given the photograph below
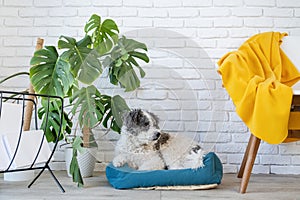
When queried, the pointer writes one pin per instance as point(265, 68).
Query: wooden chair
point(291, 46)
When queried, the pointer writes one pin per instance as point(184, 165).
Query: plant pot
point(86, 161)
point(19, 176)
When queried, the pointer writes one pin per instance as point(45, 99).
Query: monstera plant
point(69, 71)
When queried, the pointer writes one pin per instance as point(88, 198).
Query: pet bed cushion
point(126, 177)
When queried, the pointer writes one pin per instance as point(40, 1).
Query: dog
point(143, 146)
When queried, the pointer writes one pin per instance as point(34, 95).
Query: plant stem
point(86, 131)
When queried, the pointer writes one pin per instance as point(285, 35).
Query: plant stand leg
point(39, 174)
point(55, 179)
point(52, 174)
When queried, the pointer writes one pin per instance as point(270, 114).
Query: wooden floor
point(260, 187)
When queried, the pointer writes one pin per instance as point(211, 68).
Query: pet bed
point(126, 177)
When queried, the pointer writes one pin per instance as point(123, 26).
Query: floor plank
point(260, 187)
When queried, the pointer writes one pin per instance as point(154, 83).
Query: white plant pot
point(86, 161)
point(19, 176)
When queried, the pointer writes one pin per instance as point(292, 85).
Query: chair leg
point(242, 168)
point(253, 148)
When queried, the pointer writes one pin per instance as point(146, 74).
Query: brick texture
point(185, 38)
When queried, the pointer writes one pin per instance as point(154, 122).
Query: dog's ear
point(136, 115)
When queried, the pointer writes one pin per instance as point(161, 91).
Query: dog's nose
point(156, 135)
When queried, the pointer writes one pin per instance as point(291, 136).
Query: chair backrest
point(291, 47)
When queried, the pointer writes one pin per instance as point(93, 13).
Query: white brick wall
point(185, 38)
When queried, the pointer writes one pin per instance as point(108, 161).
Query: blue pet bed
point(126, 177)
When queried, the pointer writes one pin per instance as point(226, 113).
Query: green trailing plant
point(71, 73)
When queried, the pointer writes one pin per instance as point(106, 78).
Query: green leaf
point(103, 35)
point(128, 78)
point(93, 23)
point(67, 43)
point(77, 145)
point(49, 73)
point(115, 127)
point(107, 117)
point(118, 108)
point(123, 59)
point(88, 102)
point(51, 123)
point(74, 169)
point(85, 64)
point(132, 45)
point(114, 109)
point(110, 29)
point(106, 101)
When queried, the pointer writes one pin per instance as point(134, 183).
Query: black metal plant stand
point(23, 99)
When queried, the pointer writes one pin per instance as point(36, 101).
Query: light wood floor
point(260, 187)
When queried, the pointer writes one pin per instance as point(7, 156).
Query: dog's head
point(142, 124)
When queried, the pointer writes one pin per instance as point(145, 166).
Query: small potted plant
point(71, 73)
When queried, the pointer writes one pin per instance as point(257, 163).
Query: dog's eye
point(146, 123)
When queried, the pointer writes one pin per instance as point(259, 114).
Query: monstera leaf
point(74, 167)
point(85, 64)
point(50, 113)
point(49, 73)
point(122, 61)
point(115, 107)
point(104, 35)
point(87, 101)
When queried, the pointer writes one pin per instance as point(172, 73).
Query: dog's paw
point(133, 165)
point(118, 161)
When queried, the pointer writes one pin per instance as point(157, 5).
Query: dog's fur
point(143, 146)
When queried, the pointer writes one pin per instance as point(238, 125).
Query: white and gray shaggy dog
point(143, 146)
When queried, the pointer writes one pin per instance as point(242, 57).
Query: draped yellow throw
point(258, 77)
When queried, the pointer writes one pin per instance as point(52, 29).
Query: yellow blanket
point(258, 77)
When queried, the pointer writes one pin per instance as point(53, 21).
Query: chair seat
point(296, 92)
point(296, 88)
